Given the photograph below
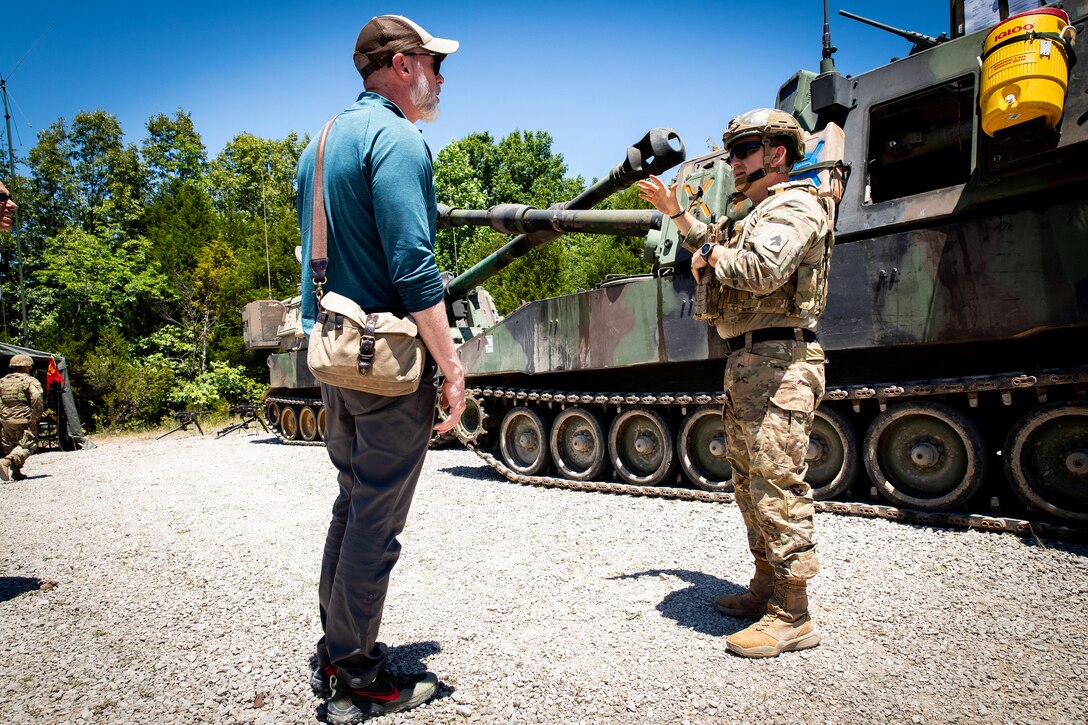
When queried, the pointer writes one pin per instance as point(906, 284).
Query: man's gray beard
point(423, 99)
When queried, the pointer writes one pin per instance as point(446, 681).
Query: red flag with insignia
point(53, 375)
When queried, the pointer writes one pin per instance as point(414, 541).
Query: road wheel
point(523, 441)
point(833, 455)
point(701, 445)
point(578, 444)
point(1046, 459)
point(307, 423)
point(925, 456)
point(272, 413)
point(289, 423)
point(640, 443)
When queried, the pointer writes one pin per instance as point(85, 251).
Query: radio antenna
point(827, 63)
point(11, 178)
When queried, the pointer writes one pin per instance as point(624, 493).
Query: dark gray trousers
point(377, 444)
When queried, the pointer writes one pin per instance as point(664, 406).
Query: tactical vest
point(804, 295)
point(16, 396)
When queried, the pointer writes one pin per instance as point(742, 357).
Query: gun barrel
point(921, 41)
point(524, 219)
point(656, 152)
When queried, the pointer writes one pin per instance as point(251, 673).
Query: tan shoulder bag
point(349, 348)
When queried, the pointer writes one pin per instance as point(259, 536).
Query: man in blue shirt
point(381, 209)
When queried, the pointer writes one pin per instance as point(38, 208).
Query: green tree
point(217, 388)
point(188, 248)
point(178, 223)
point(109, 178)
point(95, 282)
point(531, 173)
point(593, 257)
point(90, 291)
point(521, 168)
point(130, 391)
point(52, 185)
point(483, 158)
point(457, 185)
point(214, 265)
point(252, 188)
point(251, 174)
point(173, 151)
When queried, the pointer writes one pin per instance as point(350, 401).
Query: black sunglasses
point(743, 150)
point(438, 58)
point(4, 197)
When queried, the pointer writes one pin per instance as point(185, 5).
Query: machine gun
point(920, 40)
point(185, 419)
point(657, 151)
point(251, 413)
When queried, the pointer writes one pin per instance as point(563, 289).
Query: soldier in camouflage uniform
point(768, 287)
point(21, 395)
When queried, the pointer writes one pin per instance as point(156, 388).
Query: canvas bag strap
point(319, 223)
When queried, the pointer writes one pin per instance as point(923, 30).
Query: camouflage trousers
point(772, 390)
point(19, 441)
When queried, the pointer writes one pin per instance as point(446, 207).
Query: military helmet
point(21, 361)
point(766, 123)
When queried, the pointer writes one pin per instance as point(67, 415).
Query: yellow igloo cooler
point(1025, 69)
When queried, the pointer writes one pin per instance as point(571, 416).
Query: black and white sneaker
point(320, 679)
point(388, 693)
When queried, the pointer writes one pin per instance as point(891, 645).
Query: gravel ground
point(175, 581)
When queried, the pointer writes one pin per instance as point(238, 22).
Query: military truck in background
point(955, 328)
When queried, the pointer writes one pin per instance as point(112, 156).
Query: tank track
point(275, 428)
point(1022, 527)
point(1003, 384)
point(972, 386)
point(443, 439)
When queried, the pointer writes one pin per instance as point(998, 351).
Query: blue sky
point(596, 75)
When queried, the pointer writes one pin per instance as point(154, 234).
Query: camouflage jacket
point(21, 395)
point(773, 272)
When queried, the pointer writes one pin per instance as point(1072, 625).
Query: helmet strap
point(741, 182)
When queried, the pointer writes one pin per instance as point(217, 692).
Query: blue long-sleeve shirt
point(380, 203)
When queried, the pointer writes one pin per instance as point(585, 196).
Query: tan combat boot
point(5, 470)
point(785, 627)
point(752, 602)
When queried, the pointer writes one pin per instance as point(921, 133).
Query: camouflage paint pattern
point(987, 279)
point(19, 441)
point(289, 371)
point(772, 390)
point(992, 278)
point(642, 321)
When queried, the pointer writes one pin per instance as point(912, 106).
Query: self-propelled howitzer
point(955, 322)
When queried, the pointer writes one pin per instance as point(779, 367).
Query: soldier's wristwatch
point(705, 250)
